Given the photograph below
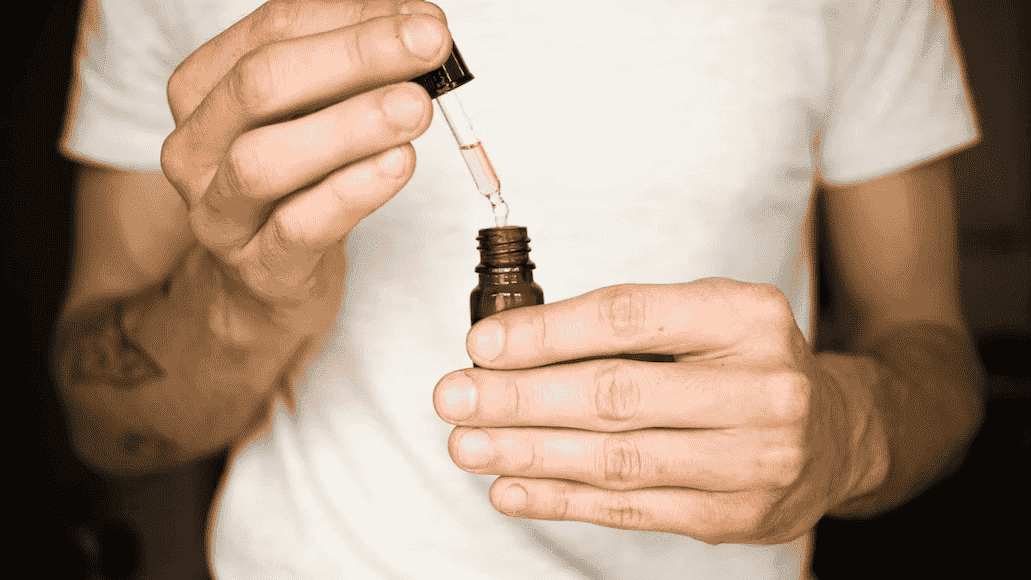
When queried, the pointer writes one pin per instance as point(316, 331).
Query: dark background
point(71, 523)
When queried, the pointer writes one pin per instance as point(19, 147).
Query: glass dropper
point(475, 156)
point(440, 84)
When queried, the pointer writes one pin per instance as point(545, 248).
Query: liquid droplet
point(500, 210)
point(486, 180)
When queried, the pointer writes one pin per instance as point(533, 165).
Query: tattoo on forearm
point(153, 450)
point(123, 451)
point(104, 352)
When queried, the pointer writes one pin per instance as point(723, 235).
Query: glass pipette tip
point(475, 155)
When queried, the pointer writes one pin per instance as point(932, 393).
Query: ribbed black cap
point(447, 78)
point(501, 247)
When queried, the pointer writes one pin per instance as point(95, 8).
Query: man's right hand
point(291, 126)
point(197, 296)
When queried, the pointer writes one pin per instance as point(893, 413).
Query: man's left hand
point(744, 438)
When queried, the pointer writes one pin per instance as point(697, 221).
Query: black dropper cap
point(447, 78)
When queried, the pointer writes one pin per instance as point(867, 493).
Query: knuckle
point(617, 392)
point(542, 331)
point(206, 232)
point(256, 275)
point(252, 83)
point(620, 511)
point(749, 521)
point(370, 10)
point(516, 401)
point(341, 191)
point(769, 294)
point(624, 309)
point(283, 233)
point(714, 518)
point(291, 232)
point(269, 257)
point(564, 508)
point(273, 281)
point(174, 89)
point(218, 233)
point(773, 304)
point(560, 506)
point(782, 465)
point(315, 286)
point(235, 176)
point(172, 164)
point(360, 48)
point(531, 460)
point(276, 20)
point(621, 459)
point(261, 271)
point(788, 395)
point(738, 520)
point(734, 519)
point(718, 287)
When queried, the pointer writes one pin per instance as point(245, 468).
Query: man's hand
point(745, 438)
point(197, 300)
point(291, 126)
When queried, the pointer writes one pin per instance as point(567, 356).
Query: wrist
point(926, 385)
point(868, 455)
point(237, 317)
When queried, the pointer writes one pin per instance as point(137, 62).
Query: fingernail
point(489, 339)
point(514, 499)
point(459, 398)
point(402, 108)
point(423, 36)
point(392, 163)
point(475, 448)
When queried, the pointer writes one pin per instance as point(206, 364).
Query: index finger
point(273, 21)
point(289, 76)
point(705, 318)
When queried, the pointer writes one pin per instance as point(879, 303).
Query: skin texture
point(198, 293)
point(749, 436)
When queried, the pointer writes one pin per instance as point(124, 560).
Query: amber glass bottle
point(506, 273)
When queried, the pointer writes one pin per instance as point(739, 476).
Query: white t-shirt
point(645, 142)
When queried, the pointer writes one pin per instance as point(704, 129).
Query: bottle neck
point(500, 276)
point(504, 256)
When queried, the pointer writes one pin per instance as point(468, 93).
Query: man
point(246, 277)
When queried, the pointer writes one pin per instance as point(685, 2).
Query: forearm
point(925, 383)
point(169, 374)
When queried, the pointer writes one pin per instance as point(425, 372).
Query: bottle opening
point(504, 246)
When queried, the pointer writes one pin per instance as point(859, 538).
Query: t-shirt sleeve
point(121, 114)
point(897, 95)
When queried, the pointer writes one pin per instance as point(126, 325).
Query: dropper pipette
point(440, 84)
point(475, 155)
